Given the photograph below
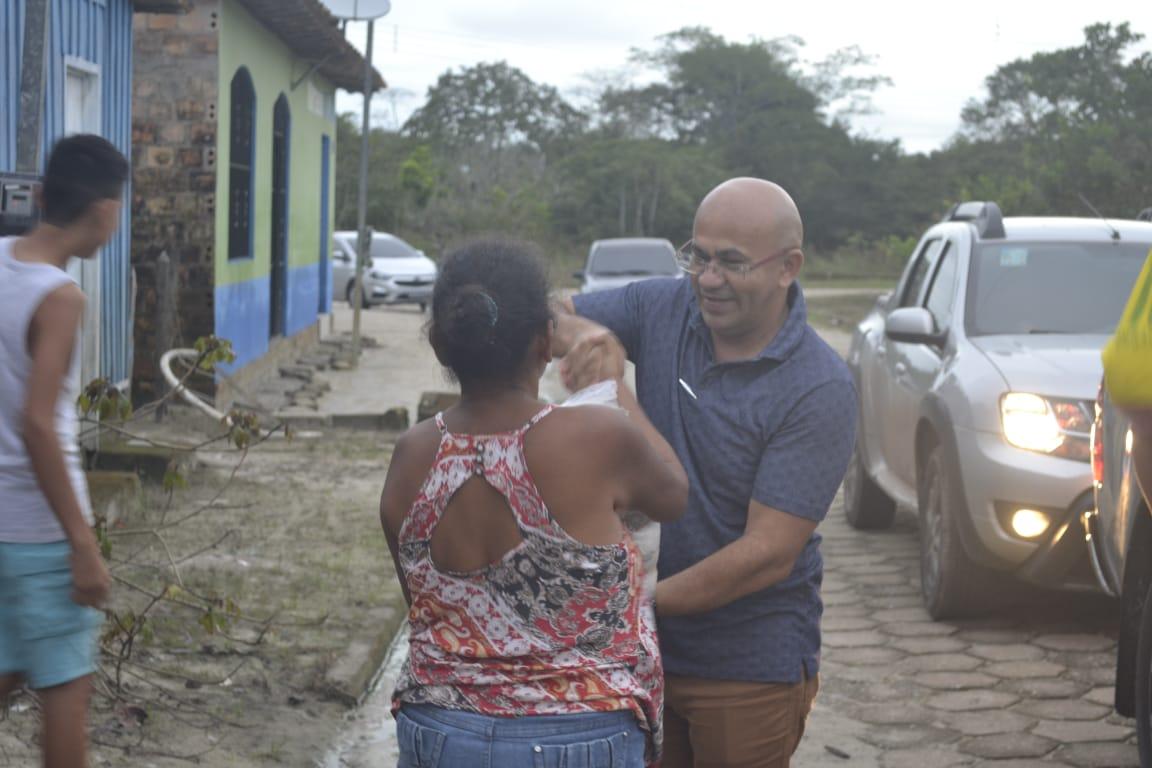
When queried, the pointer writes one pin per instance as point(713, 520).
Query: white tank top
point(25, 515)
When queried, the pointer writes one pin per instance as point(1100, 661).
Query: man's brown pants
point(731, 724)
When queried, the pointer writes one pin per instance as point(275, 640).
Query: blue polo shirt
point(778, 428)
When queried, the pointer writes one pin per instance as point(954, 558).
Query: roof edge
point(311, 32)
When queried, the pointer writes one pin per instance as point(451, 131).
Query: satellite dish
point(358, 10)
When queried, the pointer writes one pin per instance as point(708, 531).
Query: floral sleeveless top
point(554, 627)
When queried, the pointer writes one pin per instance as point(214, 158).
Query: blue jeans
point(433, 737)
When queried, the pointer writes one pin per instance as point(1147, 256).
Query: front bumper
point(996, 474)
point(400, 290)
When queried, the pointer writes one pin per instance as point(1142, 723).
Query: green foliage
point(174, 479)
point(101, 530)
point(418, 176)
point(1060, 124)
point(213, 351)
point(243, 426)
point(491, 107)
point(104, 400)
point(493, 151)
point(219, 615)
point(128, 625)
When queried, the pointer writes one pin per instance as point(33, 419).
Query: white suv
point(616, 262)
point(977, 378)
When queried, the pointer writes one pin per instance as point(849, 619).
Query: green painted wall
point(244, 42)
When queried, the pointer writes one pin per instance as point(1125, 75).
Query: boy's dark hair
point(81, 170)
point(490, 301)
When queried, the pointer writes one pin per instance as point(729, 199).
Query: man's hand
point(765, 555)
point(594, 357)
point(90, 579)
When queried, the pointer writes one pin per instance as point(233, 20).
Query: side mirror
point(914, 325)
point(579, 274)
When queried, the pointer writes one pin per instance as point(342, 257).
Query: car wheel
point(349, 295)
point(866, 505)
point(1144, 683)
point(949, 581)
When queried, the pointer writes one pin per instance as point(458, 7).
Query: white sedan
point(396, 274)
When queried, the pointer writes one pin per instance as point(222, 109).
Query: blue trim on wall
point(243, 311)
point(303, 297)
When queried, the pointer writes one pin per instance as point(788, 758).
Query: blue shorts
point(44, 636)
point(443, 738)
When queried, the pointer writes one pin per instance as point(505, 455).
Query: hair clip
point(493, 309)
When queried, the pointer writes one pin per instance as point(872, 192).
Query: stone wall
point(174, 124)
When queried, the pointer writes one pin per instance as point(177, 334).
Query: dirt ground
point(299, 545)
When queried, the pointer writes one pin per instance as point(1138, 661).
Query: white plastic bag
point(645, 532)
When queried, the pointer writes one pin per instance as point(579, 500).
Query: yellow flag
point(1128, 356)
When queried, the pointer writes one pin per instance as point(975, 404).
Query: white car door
point(343, 267)
point(901, 396)
point(916, 367)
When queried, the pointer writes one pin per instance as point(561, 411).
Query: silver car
point(977, 378)
point(615, 262)
point(397, 274)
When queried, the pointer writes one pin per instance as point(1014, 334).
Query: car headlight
point(1047, 425)
point(376, 275)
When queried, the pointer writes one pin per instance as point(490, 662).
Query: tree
point(614, 186)
point(1052, 92)
point(387, 152)
point(492, 133)
point(494, 107)
point(417, 181)
point(761, 114)
point(1076, 121)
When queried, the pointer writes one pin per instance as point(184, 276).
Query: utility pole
point(364, 237)
point(361, 10)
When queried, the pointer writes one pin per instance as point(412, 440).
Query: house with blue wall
point(233, 168)
point(87, 79)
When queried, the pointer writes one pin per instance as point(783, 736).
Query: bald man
point(762, 414)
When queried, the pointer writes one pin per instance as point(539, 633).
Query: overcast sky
point(937, 54)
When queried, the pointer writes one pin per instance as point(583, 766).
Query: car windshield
point(392, 248)
point(1051, 287)
point(633, 259)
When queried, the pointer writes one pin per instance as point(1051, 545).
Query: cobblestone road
point(1029, 685)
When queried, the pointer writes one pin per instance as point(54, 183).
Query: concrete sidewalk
point(392, 372)
point(396, 367)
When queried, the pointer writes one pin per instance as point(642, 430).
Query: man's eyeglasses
point(696, 261)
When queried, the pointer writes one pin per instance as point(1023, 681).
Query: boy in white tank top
point(52, 576)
